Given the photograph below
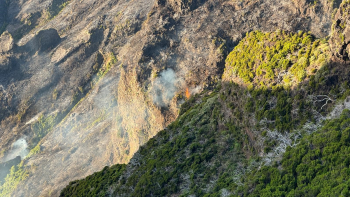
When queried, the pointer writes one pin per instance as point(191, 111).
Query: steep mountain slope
point(87, 83)
point(243, 138)
point(317, 166)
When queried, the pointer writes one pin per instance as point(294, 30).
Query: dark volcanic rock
point(340, 38)
point(6, 46)
point(45, 40)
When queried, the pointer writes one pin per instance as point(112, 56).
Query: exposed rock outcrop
point(7, 44)
point(340, 37)
point(44, 40)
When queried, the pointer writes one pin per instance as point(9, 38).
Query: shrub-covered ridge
point(318, 166)
point(219, 143)
point(278, 58)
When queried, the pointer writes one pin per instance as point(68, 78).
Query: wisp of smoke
point(18, 148)
point(165, 87)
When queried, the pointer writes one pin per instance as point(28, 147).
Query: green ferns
point(269, 59)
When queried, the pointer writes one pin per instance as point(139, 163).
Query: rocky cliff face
point(88, 82)
point(341, 33)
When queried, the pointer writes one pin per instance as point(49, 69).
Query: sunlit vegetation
point(42, 127)
point(17, 174)
point(278, 58)
point(56, 7)
point(34, 150)
point(110, 61)
point(275, 82)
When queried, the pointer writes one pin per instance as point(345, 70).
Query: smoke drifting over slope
point(165, 87)
point(18, 148)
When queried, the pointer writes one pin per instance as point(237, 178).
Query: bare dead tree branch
point(322, 98)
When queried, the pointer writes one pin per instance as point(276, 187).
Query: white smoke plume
point(18, 148)
point(165, 87)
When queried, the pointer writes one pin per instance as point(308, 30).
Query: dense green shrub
point(318, 166)
point(268, 59)
point(96, 184)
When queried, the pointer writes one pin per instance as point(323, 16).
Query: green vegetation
point(95, 184)
point(219, 143)
point(54, 94)
point(317, 166)
point(17, 174)
point(42, 127)
point(269, 59)
point(204, 151)
point(56, 7)
point(111, 60)
point(194, 145)
point(34, 150)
